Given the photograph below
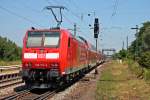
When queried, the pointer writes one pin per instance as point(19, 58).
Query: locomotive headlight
point(52, 55)
point(30, 55)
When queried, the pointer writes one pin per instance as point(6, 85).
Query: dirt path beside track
point(84, 89)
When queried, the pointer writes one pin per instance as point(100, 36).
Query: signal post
point(96, 32)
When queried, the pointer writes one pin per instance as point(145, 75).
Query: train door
point(71, 50)
point(70, 54)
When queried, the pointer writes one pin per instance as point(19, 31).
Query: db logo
point(41, 55)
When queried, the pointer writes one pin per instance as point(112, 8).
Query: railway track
point(7, 80)
point(6, 77)
point(15, 95)
point(40, 95)
point(28, 95)
point(8, 83)
point(9, 69)
point(45, 96)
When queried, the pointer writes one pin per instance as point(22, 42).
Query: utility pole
point(127, 42)
point(127, 46)
point(123, 45)
point(75, 29)
point(136, 46)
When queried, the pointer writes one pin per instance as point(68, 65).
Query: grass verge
point(135, 68)
point(7, 63)
point(118, 82)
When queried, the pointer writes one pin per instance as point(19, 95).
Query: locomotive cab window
point(43, 39)
point(34, 39)
point(51, 39)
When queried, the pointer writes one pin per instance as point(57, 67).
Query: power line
point(25, 5)
point(19, 16)
point(67, 19)
point(76, 6)
point(32, 9)
point(71, 10)
point(68, 9)
point(71, 22)
point(48, 2)
point(115, 6)
point(56, 2)
point(78, 29)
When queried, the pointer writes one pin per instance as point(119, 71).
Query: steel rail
point(12, 82)
point(45, 96)
point(14, 96)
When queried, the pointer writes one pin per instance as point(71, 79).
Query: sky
point(116, 18)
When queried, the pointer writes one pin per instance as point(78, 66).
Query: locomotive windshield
point(43, 39)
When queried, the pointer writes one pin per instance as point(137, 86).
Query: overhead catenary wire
point(27, 6)
point(79, 29)
point(71, 22)
point(69, 10)
point(49, 2)
point(12, 12)
point(74, 14)
point(19, 16)
point(115, 7)
point(39, 11)
point(80, 17)
point(75, 5)
point(58, 3)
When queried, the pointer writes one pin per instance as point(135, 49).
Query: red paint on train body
point(51, 55)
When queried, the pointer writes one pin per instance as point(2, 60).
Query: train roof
point(79, 38)
point(51, 29)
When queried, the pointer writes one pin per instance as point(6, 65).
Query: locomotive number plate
point(41, 55)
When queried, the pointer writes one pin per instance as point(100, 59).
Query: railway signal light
point(95, 35)
point(96, 28)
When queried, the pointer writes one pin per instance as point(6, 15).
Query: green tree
point(144, 37)
point(9, 50)
point(142, 41)
point(140, 47)
point(121, 54)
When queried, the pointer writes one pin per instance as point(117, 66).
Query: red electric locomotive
point(52, 56)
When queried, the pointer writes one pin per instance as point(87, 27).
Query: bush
point(144, 59)
point(138, 70)
point(146, 74)
point(135, 68)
